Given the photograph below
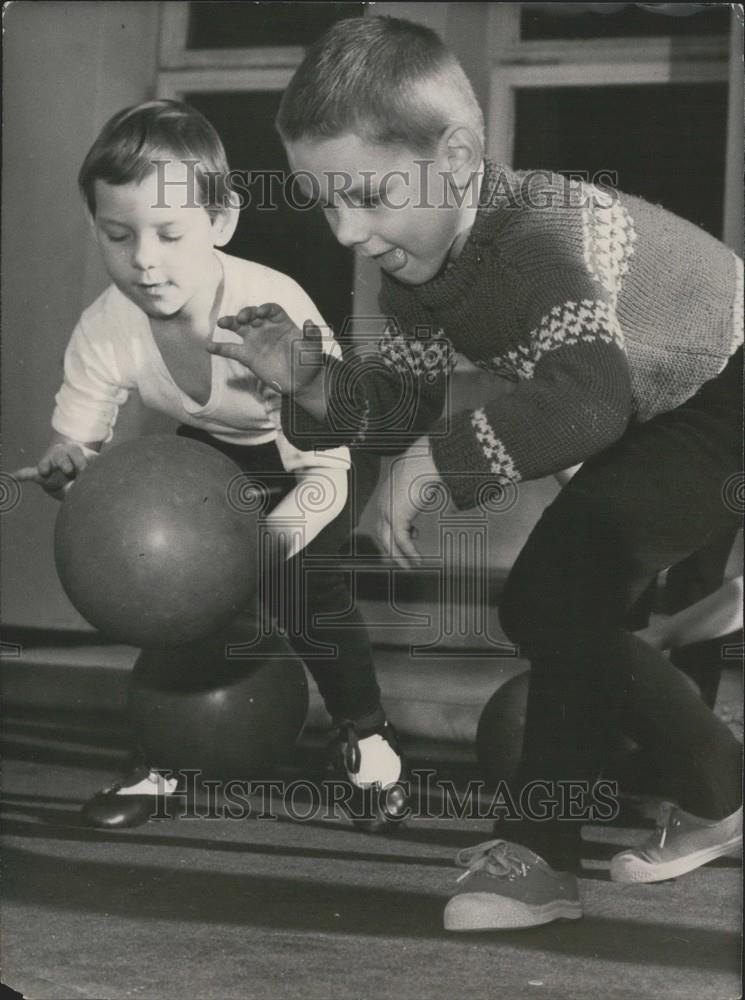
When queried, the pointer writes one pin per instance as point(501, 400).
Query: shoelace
point(495, 857)
point(665, 819)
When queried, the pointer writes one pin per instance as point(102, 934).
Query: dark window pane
point(665, 142)
point(296, 242)
point(621, 20)
point(247, 25)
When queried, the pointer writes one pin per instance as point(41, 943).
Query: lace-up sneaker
point(373, 765)
point(129, 802)
point(680, 843)
point(506, 886)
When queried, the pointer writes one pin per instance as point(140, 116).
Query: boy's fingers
point(65, 464)
point(311, 331)
point(79, 460)
point(224, 350)
point(403, 542)
point(389, 539)
point(269, 310)
point(401, 557)
point(56, 483)
point(236, 352)
point(29, 474)
point(245, 315)
point(227, 323)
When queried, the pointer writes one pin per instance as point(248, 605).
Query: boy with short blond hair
point(620, 327)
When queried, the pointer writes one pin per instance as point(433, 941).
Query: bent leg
point(646, 503)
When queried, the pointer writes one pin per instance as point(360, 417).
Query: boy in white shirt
point(153, 183)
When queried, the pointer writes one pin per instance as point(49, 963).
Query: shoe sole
point(477, 911)
point(161, 808)
point(632, 868)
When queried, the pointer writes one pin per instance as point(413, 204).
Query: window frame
point(174, 55)
point(601, 62)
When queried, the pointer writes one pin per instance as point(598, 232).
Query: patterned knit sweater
point(600, 307)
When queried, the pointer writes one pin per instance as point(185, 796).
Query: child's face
point(160, 257)
point(385, 202)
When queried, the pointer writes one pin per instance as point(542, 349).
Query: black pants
point(660, 494)
point(314, 585)
point(696, 577)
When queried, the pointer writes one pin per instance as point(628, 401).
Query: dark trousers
point(696, 577)
point(660, 494)
point(309, 595)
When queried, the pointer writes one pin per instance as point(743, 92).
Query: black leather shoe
point(114, 809)
point(371, 808)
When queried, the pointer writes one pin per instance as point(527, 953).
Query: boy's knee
point(517, 609)
point(540, 603)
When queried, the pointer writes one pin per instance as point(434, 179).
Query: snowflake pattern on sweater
point(608, 240)
point(428, 358)
point(500, 462)
point(565, 325)
point(598, 311)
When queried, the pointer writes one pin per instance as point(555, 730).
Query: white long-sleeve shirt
point(112, 352)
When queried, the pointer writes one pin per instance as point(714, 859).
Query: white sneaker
point(681, 843)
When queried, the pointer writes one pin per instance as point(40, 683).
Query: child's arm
point(383, 398)
point(60, 464)
point(713, 616)
point(87, 403)
point(276, 351)
point(318, 498)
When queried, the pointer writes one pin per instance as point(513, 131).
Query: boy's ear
point(463, 151)
point(224, 221)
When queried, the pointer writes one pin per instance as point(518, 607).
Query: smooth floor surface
point(254, 908)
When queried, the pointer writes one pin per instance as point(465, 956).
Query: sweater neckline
point(456, 278)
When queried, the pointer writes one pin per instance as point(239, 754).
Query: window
point(543, 21)
point(232, 61)
point(665, 142)
point(616, 87)
point(261, 25)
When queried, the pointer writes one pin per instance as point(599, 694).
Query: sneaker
point(507, 886)
point(681, 843)
point(129, 802)
point(373, 765)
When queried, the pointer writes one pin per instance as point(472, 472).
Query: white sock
point(153, 784)
point(379, 763)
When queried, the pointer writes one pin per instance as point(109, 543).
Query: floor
point(250, 907)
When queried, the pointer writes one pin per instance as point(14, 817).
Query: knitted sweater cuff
point(460, 462)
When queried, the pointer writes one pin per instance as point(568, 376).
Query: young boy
point(620, 327)
point(151, 184)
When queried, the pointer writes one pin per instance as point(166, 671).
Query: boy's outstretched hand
point(60, 464)
point(273, 348)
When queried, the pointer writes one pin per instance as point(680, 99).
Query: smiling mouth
point(155, 286)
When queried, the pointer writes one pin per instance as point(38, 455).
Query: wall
point(67, 68)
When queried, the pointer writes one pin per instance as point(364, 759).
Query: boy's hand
point(58, 467)
point(395, 509)
point(273, 348)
